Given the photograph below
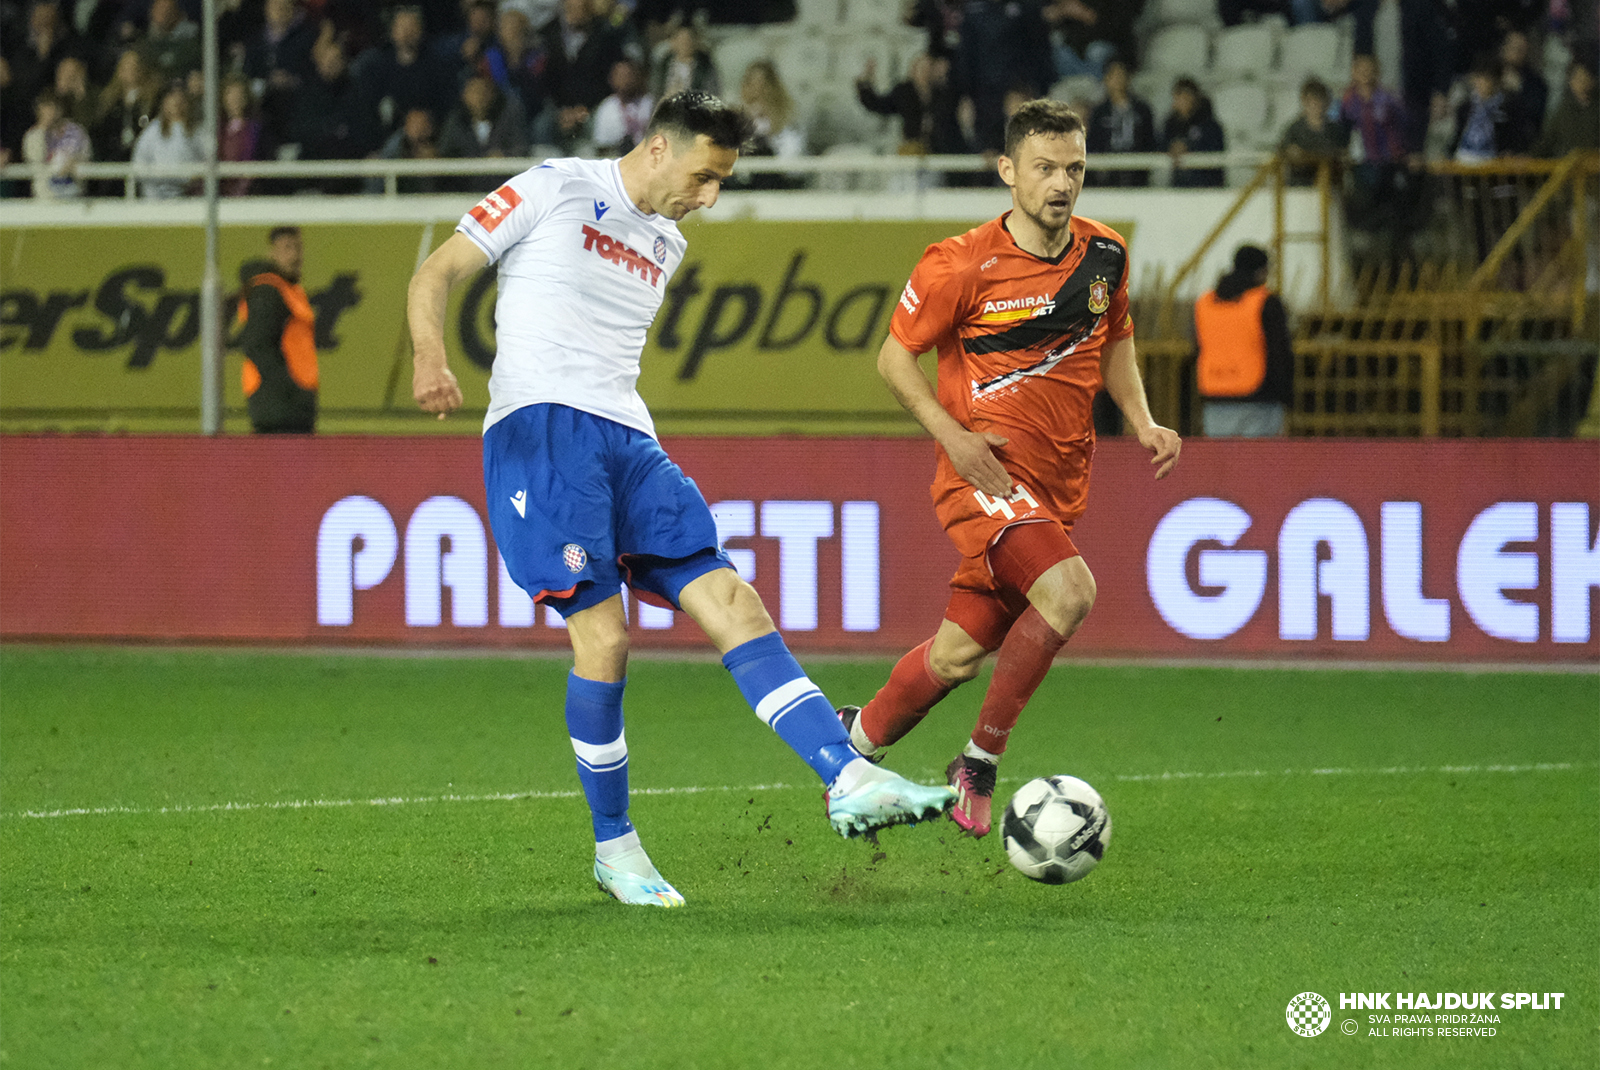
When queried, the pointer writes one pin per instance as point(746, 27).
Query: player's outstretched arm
point(970, 452)
point(433, 384)
point(1120, 370)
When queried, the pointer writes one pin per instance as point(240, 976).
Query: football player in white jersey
point(581, 496)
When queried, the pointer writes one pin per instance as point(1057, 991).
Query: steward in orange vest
point(1246, 360)
point(279, 341)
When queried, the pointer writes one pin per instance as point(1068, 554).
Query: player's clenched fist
point(436, 390)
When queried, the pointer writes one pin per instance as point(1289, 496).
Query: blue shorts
point(580, 504)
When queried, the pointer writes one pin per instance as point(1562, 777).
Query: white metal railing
point(1158, 165)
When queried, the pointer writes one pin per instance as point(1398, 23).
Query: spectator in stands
point(57, 144)
point(1087, 33)
point(13, 125)
point(1386, 183)
point(925, 104)
point(1428, 49)
point(242, 136)
point(1191, 127)
point(1374, 114)
point(170, 46)
point(403, 76)
point(124, 109)
point(72, 88)
point(1121, 122)
point(942, 21)
point(582, 50)
point(1003, 44)
point(1527, 93)
point(34, 61)
point(332, 120)
point(1246, 356)
point(277, 60)
point(1302, 12)
point(1313, 138)
point(415, 140)
point(1487, 124)
point(463, 50)
point(1574, 125)
point(778, 132)
point(686, 66)
point(517, 62)
point(621, 118)
point(487, 124)
point(168, 140)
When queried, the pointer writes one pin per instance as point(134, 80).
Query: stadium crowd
point(119, 80)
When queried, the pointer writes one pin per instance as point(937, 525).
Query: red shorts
point(1020, 554)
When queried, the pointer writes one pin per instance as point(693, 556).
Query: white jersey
point(582, 273)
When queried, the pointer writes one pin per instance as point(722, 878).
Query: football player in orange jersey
point(1029, 316)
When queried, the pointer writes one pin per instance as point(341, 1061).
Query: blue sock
point(594, 721)
point(782, 696)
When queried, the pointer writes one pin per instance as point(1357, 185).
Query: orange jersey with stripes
point(1019, 340)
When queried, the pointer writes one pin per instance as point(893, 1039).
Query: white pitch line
point(512, 796)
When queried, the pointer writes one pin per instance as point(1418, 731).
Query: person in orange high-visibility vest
point(1246, 362)
point(279, 341)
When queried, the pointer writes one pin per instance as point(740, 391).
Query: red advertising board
point(1454, 550)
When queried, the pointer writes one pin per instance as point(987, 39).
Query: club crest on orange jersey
point(1099, 296)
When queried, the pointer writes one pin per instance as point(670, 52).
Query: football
point(1056, 829)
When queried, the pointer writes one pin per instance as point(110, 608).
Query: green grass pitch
point(1275, 832)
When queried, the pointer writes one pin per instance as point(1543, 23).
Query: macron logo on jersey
point(600, 208)
point(628, 259)
point(495, 207)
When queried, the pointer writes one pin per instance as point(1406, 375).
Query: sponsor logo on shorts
point(519, 501)
point(574, 556)
point(490, 211)
point(630, 260)
point(1099, 296)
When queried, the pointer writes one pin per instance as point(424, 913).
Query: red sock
point(1024, 658)
point(913, 689)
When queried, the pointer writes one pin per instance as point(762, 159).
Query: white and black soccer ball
point(1056, 829)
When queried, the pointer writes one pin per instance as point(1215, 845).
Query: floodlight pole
point(210, 288)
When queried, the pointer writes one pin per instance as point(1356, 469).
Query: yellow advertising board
point(767, 326)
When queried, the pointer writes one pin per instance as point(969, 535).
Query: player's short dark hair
point(282, 232)
point(692, 113)
point(1315, 87)
point(1050, 117)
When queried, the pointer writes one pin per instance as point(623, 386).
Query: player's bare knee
point(956, 662)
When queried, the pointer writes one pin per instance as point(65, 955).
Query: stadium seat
point(821, 14)
point(1242, 109)
point(1179, 50)
point(1245, 51)
point(850, 55)
point(874, 14)
point(834, 118)
point(1178, 12)
point(1285, 107)
point(803, 60)
point(1155, 89)
point(1077, 90)
point(1313, 49)
point(734, 53)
